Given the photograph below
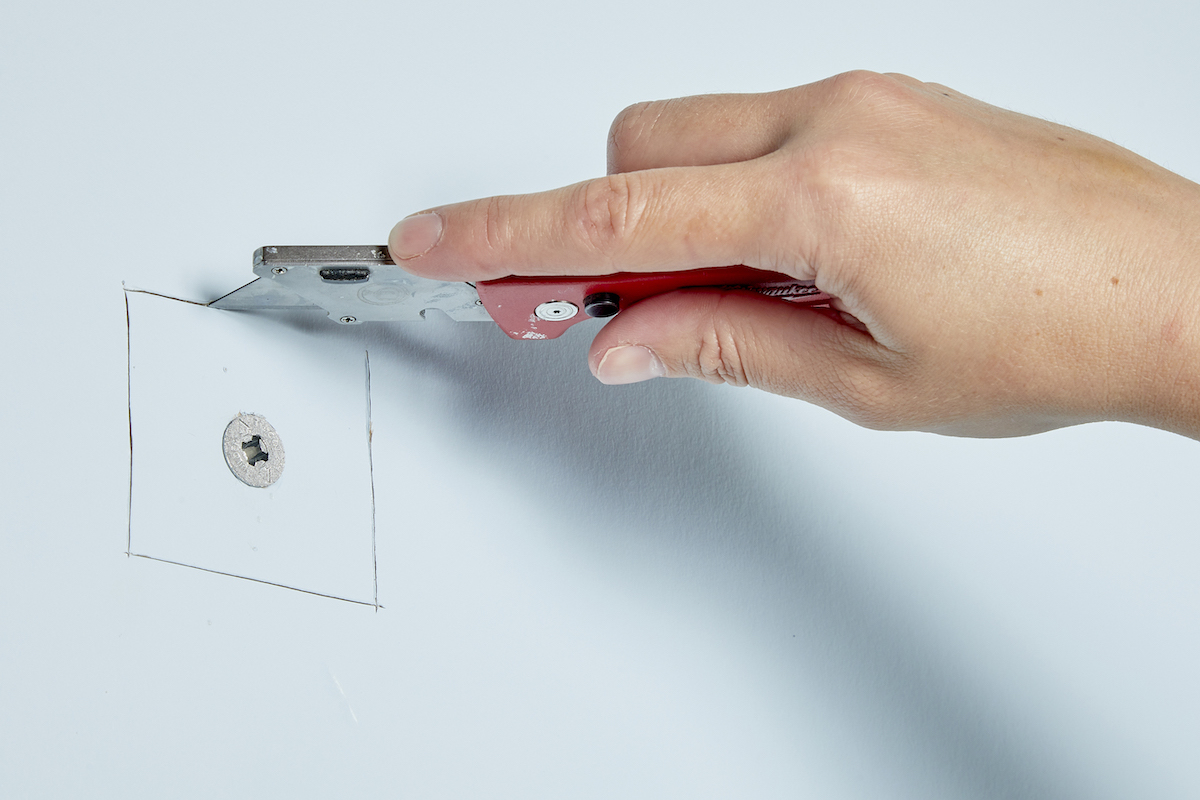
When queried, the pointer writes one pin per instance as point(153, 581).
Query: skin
point(995, 274)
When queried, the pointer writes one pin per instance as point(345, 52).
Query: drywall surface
point(662, 590)
point(193, 371)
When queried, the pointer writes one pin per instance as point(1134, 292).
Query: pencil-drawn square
point(192, 370)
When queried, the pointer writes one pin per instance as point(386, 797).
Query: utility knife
point(356, 284)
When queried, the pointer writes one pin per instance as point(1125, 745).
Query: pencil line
point(165, 297)
point(129, 399)
point(371, 467)
point(129, 530)
point(255, 580)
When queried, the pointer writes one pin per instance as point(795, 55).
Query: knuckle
point(868, 148)
point(879, 105)
point(494, 223)
point(907, 80)
point(720, 355)
point(941, 89)
point(629, 128)
point(864, 85)
point(608, 211)
point(823, 179)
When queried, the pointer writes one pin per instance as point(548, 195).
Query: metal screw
point(348, 320)
point(478, 302)
point(556, 310)
point(253, 450)
point(278, 270)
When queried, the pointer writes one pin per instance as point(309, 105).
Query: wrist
point(1165, 356)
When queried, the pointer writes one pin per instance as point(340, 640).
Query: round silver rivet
point(348, 320)
point(556, 310)
point(383, 295)
point(253, 450)
point(278, 270)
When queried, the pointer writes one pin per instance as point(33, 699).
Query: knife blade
point(361, 283)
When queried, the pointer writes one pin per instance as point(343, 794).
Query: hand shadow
point(662, 461)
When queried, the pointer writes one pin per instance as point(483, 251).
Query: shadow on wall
point(661, 459)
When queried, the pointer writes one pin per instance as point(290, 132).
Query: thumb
point(744, 339)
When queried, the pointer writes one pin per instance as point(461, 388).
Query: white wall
point(661, 590)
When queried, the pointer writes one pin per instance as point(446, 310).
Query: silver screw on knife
point(555, 310)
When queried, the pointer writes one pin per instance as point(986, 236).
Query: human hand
point(994, 274)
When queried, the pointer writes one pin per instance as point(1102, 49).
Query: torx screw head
point(348, 320)
point(278, 270)
point(253, 450)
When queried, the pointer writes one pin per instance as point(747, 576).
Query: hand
point(994, 274)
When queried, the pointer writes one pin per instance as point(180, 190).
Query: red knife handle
point(542, 308)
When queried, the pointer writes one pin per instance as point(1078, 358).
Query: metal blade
point(262, 293)
point(352, 284)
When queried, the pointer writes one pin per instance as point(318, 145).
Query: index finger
point(649, 221)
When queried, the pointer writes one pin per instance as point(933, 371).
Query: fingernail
point(415, 236)
point(629, 363)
